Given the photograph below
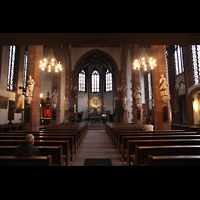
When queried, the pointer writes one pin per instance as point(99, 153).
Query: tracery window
point(178, 58)
point(108, 81)
point(25, 71)
point(149, 85)
point(95, 81)
point(196, 63)
point(11, 66)
point(82, 81)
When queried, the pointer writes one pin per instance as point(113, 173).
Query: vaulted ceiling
point(95, 61)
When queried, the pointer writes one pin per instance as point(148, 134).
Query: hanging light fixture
point(50, 63)
point(144, 62)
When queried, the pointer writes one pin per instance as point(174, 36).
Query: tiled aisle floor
point(97, 144)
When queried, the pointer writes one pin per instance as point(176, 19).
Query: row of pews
point(57, 144)
point(155, 148)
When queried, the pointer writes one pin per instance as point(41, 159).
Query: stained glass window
point(108, 81)
point(25, 71)
point(11, 66)
point(178, 58)
point(95, 81)
point(82, 81)
point(149, 85)
point(196, 63)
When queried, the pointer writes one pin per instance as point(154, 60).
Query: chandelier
point(144, 62)
point(50, 63)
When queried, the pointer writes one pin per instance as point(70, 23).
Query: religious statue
point(163, 85)
point(175, 107)
point(66, 103)
point(29, 90)
point(54, 99)
point(125, 101)
point(137, 95)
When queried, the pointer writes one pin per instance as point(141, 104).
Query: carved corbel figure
point(29, 90)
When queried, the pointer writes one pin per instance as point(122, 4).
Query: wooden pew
point(26, 160)
point(157, 136)
point(48, 133)
point(80, 128)
point(122, 135)
point(39, 137)
point(11, 127)
point(54, 151)
point(142, 152)
point(77, 130)
point(112, 129)
point(65, 145)
point(174, 160)
point(53, 133)
point(132, 143)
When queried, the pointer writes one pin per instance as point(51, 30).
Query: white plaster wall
point(196, 113)
point(3, 85)
point(108, 102)
point(83, 104)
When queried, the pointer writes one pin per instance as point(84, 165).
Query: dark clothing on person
point(27, 149)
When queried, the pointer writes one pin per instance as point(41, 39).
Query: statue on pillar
point(54, 99)
point(137, 95)
point(29, 90)
point(163, 85)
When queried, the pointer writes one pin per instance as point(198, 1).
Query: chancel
point(142, 100)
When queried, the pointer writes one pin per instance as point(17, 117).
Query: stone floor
point(97, 144)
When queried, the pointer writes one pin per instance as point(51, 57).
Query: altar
point(95, 120)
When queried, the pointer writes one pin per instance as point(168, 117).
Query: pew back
point(142, 152)
point(26, 161)
point(173, 160)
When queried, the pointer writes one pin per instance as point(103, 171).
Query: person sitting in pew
point(27, 148)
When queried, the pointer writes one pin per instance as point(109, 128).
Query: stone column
point(118, 95)
point(125, 49)
point(158, 53)
point(32, 111)
point(136, 82)
point(56, 85)
point(67, 78)
point(189, 81)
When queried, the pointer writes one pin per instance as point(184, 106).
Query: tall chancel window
point(95, 81)
point(196, 63)
point(108, 81)
point(178, 58)
point(82, 81)
point(25, 71)
point(11, 67)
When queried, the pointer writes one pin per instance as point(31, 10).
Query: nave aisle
point(97, 144)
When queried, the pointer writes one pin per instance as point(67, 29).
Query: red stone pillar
point(136, 82)
point(125, 49)
point(189, 81)
point(32, 111)
point(118, 95)
point(67, 78)
point(56, 85)
point(158, 53)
